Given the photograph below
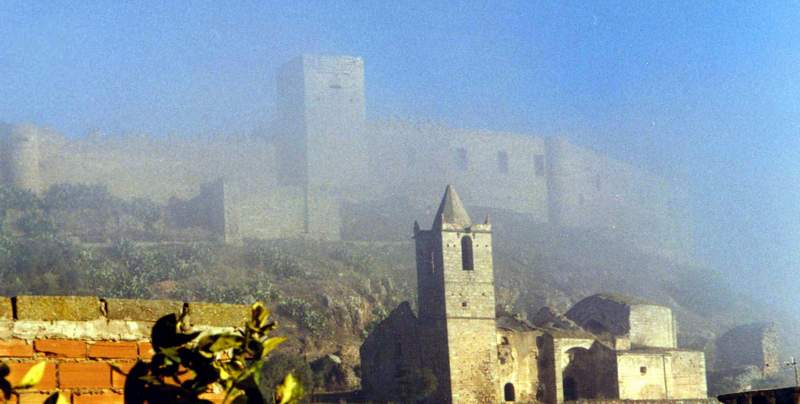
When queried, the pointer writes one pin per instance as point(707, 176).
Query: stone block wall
point(652, 326)
point(82, 339)
point(518, 363)
point(753, 344)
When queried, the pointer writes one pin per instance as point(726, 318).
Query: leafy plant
point(32, 377)
point(188, 364)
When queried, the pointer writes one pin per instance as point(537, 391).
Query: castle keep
point(606, 347)
point(322, 154)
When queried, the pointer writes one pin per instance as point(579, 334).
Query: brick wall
point(82, 339)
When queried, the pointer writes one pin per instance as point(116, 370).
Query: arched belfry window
point(466, 254)
point(508, 392)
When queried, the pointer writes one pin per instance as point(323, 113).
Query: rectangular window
point(502, 162)
point(462, 162)
point(538, 164)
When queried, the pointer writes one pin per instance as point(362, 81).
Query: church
point(457, 349)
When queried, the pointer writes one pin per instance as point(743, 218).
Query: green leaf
point(270, 344)
point(289, 391)
point(223, 342)
point(56, 398)
point(33, 376)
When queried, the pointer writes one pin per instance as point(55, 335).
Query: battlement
point(88, 342)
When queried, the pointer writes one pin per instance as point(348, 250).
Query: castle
point(322, 154)
point(605, 347)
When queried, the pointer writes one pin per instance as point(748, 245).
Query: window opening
point(509, 393)
point(538, 164)
point(502, 162)
point(466, 254)
point(462, 162)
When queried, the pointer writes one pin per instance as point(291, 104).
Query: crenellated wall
point(82, 337)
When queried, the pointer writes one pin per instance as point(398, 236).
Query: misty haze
point(519, 202)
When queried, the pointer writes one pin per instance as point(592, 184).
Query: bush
point(278, 366)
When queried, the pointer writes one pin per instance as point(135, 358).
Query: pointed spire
point(451, 210)
point(487, 221)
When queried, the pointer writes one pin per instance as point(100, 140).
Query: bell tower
point(455, 281)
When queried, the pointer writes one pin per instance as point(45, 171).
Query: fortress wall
point(273, 213)
point(322, 106)
point(593, 191)
point(20, 156)
point(416, 159)
point(82, 337)
point(157, 168)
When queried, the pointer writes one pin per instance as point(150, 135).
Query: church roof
point(451, 210)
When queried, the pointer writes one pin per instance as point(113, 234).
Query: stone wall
point(749, 345)
point(391, 355)
point(20, 157)
point(644, 324)
point(518, 363)
point(82, 337)
point(667, 374)
point(322, 146)
point(652, 326)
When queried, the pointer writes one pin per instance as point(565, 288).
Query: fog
point(704, 94)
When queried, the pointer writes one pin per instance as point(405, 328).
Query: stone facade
point(322, 152)
point(606, 348)
point(749, 345)
point(88, 342)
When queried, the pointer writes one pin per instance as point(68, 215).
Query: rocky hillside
point(328, 295)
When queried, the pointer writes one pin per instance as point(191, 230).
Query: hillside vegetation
point(330, 294)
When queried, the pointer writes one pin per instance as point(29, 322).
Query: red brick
point(107, 397)
point(117, 378)
point(146, 350)
point(32, 398)
point(64, 348)
point(19, 369)
point(109, 349)
point(85, 374)
point(16, 348)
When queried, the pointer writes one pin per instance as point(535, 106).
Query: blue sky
point(708, 92)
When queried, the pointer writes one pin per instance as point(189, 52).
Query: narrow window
point(502, 162)
point(643, 370)
point(508, 392)
point(462, 162)
point(466, 253)
point(538, 165)
point(433, 262)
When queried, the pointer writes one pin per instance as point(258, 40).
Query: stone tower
point(20, 157)
point(456, 303)
point(320, 144)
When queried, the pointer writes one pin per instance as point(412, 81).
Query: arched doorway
point(508, 393)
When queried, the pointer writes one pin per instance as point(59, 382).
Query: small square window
point(464, 304)
point(643, 370)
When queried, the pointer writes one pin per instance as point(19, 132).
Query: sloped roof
point(451, 210)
